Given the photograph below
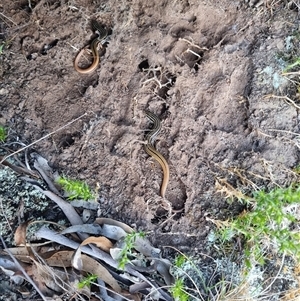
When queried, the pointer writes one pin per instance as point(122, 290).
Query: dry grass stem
point(44, 137)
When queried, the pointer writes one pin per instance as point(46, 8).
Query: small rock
point(3, 91)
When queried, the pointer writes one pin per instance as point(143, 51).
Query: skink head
point(100, 30)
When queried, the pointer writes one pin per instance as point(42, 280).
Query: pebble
point(3, 91)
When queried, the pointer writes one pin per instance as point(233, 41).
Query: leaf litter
point(59, 260)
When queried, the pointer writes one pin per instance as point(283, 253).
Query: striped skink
point(100, 40)
point(150, 149)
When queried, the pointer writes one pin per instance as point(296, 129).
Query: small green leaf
point(126, 252)
point(3, 133)
point(178, 292)
point(179, 261)
point(75, 189)
point(87, 281)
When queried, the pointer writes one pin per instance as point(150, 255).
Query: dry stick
point(291, 73)
point(286, 98)
point(44, 137)
point(284, 131)
point(22, 270)
point(8, 19)
point(192, 43)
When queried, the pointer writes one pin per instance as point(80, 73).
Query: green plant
point(87, 281)
point(126, 251)
point(178, 292)
point(180, 260)
point(199, 279)
point(190, 281)
point(269, 226)
point(297, 169)
point(3, 133)
point(75, 189)
point(178, 288)
point(292, 65)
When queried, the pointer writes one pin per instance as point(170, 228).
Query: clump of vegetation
point(3, 133)
point(178, 291)
point(182, 267)
point(195, 279)
point(269, 226)
point(87, 281)
point(126, 251)
point(75, 189)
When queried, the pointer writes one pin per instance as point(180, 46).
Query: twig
point(192, 43)
point(284, 131)
point(22, 269)
point(194, 53)
point(286, 98)
point(44, 137)
point(9, 19)
point(291, 73)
